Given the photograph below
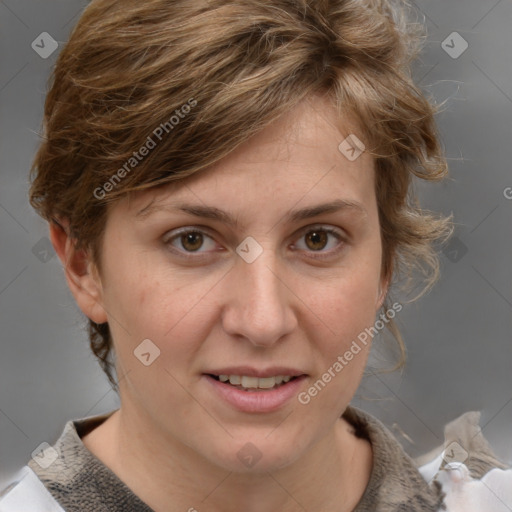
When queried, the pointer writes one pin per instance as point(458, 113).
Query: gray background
point(458, 337)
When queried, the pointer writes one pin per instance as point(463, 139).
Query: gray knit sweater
point(81, 483)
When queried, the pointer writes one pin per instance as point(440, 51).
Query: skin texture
point(173, 441)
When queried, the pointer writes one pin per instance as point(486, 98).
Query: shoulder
point(462, 475)
point(470, 475)
point(44, 484)
point(27, 492)
point(462, 493)
point(395, 483)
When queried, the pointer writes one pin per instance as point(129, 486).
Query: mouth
point(254, 384)
point(251, 390)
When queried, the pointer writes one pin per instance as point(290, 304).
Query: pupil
point(318, 239)
point(192, 241)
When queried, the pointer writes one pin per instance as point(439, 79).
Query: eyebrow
point(213, 213)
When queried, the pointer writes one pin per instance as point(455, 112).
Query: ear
point(81, 273)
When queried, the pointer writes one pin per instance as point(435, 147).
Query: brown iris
point(316, 240)
point(192, 241)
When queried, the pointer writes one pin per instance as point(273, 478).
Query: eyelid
point(186, 229)
point(173, 234)
point(323, 227)
point(337, 232)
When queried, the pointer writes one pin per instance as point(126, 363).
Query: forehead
point(296, 156)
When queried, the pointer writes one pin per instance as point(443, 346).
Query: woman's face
point(266, 265)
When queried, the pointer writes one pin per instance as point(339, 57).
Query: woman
point(227, 186)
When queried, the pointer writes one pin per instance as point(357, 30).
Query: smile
point(249, 383)
point(255, 393)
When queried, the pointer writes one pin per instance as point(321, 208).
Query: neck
point(170, 476)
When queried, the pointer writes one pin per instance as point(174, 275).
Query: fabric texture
point(28, 494)
point(395, 485)
point(471, 476)
point(80, 482)
point(463, 442)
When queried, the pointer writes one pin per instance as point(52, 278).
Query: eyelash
point(310, 229)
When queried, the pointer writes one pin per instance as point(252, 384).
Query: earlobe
point(81, 274)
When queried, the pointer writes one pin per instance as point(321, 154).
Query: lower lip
point(257, 401)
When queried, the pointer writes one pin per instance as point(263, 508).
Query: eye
point(320, 239)
point(189, 240)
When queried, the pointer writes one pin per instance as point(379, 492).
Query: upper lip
point(255, 372)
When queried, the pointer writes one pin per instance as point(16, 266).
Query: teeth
point(254, 382)
point(265, 383)
point(247, 382)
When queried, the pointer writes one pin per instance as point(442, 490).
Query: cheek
point(169, 310)
point(348, 312)
point(346, 307)
point(347, 304)
point(345, 350)
point(138, 292)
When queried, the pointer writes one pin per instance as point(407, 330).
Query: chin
point(255, 454)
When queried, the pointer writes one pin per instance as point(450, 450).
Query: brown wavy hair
point(129, 65)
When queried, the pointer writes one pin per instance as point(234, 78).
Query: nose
point(259, 306)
